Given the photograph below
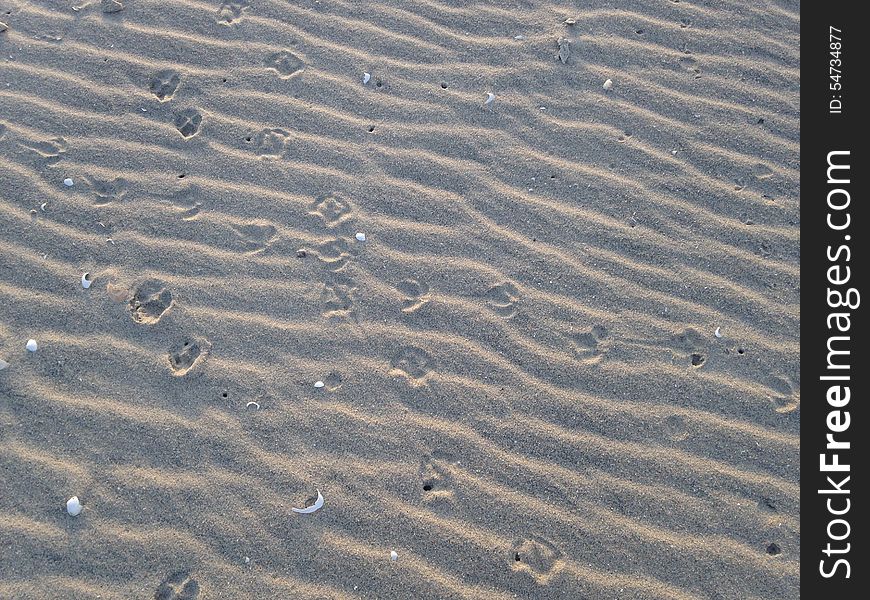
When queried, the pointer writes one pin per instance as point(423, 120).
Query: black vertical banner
point(834, 230)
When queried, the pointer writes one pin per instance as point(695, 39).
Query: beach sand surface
point(563, 363)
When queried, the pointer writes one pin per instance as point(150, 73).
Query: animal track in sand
point(437, 482)
point(536, 556)
point(675, 428)
point(416, 294)
point(587, 345)
point(270, 142)
point(51, 150)
point(111, 6)
point(150, 302)
point(178, 586)
point(503, 298)
point(230, 12)
point(107, 191)
point(255, 237)
point(164, 85)
point(412, 363)
point(787, 394)
point(188, 122)
point(334, 254)
point(333, 209)
point(338, 297)
point(186, 355)
point(184, 199)
point(285, 63)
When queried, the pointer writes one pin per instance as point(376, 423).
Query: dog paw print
point(107, 190)
point(51, 150)
point(503, 298)
point(285, 63)
point(178, 586)
point(416, 294)
point(437, 482)
point(270, 142)
point(412, 363)
point(334, 254)
point(164, 85)
point(150, 302)
point(187, 354)
point(338, 297)
point(230, 12)
point(333, 209)
point(255, 237)
point(786, 396)
point(587, 345)
point(187, 122)
point(536, 556)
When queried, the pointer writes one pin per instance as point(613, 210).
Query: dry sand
point(524, 394)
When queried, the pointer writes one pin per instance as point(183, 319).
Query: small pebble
point(73, 506)
point(247, 560)
point(607, 84)
point(394, 556)
point(361, 237)
point(32, 345)
point(319, 384)
point(68, 182)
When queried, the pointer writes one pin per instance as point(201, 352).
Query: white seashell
point(42, 206)
point(319, 384)
point(718, 333)
point(490, 98)
point(68, 182)
point(32, 345)
point(310, 509)
point(86, 280)
point(252, 404)
point(607, 84)
point(366, 78)
point(519, 37)
point(73, 506)
point(3, 364)
point(394, 556)
point(361, 237)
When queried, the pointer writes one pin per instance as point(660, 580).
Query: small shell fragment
point(569, 22)
point(607, 84)
point(564, 49)
point(86, 280)
point(718, 333)
point(310, 509)
point(252, 405)
point(361, 237)
point(490, 98)
point(394, 556)
point(42, 206)
point(32, 346)
point(319, 384)
point(3, 27)
point(366, 78)
point(3, 364)
point(68, 182)
point(73, 506)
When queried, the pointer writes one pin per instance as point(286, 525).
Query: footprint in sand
point(437, 482)
point(587, 345)
point(503, 299)
point(188, 122)
point(52, 150)
point(110, 7)
point(536, 556)
point(787, 395)
point(338, 297)
point(164, 85)
point(178, 586)
point(416, 294)
point(186, 355)
point(107, 191)
point(255, 237)
point(285, 63)
point(334, 254)
point(333, 209)
point(230, 12)
point(150, 302)
point(270, 142)
point(674, 428)
point(412, 363)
